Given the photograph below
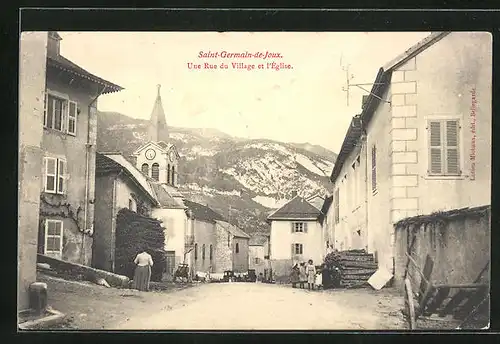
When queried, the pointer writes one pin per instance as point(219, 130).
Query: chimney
point(363, 101)
point(53, 44)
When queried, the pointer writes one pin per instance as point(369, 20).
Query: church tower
point(158, 129)
point(157, 158)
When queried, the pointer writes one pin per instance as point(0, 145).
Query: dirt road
point(256, 306)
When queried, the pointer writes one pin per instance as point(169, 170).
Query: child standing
point(311, 274)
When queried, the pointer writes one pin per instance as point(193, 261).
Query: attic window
point(155, 171)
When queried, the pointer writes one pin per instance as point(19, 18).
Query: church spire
point(158, 130)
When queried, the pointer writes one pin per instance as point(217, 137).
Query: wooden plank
point(462, 286)
point(475, 298)
point(414, 239)
point(416, 267)
point(424, 284)
point(425, 297)
point(412, 320)
point(455, 301)
point(436, 302)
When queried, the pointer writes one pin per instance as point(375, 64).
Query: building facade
point(118, 185)
point(67, 197)
point(32, 70)
point(258, 254)
point(421, 144)
point(231, 248)
point(296, 236)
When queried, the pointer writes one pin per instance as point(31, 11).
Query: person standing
point(294, 278)
point(311, 274)
point(142, 275)
point(302, 275)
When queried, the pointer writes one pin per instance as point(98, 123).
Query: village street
point(256, 306)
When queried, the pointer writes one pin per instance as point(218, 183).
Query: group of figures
point(303, 274)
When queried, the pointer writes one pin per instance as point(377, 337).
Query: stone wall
point(240, 258)
point(32, 69)
point(224, 250)
point(457, 241)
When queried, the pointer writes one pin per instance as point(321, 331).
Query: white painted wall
point(175, 221)
point(282, 239)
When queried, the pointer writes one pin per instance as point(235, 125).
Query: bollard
point(38, 297)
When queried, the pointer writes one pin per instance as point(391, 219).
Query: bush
point(333, 268)
point(132, 232)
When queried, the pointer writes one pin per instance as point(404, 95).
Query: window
point(60, 114)
point(130, 204)
point(173, 175)
point(203, 252)
point(297, 249)
point(155, 171)
point(444, 156)
point(55, 175)
point(374, 169)
point(299, 227)
point(211, 252)
point(145, 169)
point(257, 260)
point(195, 251)
point(228, 240)
point(237, 249)
point(168, 173)
point(53, 237)
point(337, 207)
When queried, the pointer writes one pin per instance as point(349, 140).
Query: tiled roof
point(164, 198)
point(258, 240)
point(233, 229)
point(62, 63)
point(202, 212)
point(116, 163)
point(297, 208)
point(380, 85)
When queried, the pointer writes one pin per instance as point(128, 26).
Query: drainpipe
point(113, 222)
point(364, 145)
point(88, 145)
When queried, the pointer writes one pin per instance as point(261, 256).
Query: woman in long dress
point(311, 274)
point(142, 275)
point(302, 275)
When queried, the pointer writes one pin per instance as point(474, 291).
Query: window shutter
point(50, 174)
point(305, 227)
point(435, 148)
point(61, 176)
point(64, 116)
point(61, 234)
point(374, 168)
point(292, 227)
point(452, 153)
point(45, 109)
point(72, 114)
point(293, 250)
point(46, 225)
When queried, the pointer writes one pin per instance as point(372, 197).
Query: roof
point(117, 163)
point(445, 215)
point(382, 81)
point(297, 208)
point(62, 63)
point(164, 198)
point(316, 200)
point(233, 229)
point(258, 240)
point(202, 212)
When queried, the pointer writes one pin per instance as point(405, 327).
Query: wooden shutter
point(293, 250)
point(61, 176)
point(50, 174)
point(452, 152)
point(292, 226)
point(435, 148)
point(72, 112)
point(305, 227)
point(64, 115)
point(45, 108)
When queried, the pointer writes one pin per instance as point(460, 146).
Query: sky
point(303, 104)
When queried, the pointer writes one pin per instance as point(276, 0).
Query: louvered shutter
point(72, 111)
point(292, 227)
point(435, 148)
point(61, 176)
point(374, 169)
point(452, 153)
point(45, 109)
point(305, 227)
point(293, 251)
point(50, 174)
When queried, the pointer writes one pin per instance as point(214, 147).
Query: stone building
point(258, 253)
point(69, 120)
point(232, 248)
point(421, 144)
point(32, 69)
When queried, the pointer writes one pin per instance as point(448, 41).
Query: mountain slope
point(242, 179)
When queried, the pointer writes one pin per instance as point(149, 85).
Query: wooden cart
point(461, 301)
